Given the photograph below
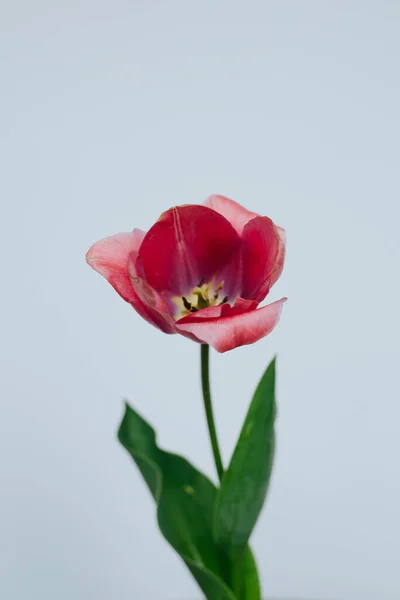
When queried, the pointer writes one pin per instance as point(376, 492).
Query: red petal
point(188, 244)
point(153, 304)
point(261, 247)
point(245, 305)
point(231, 275)
point(276, 273)
point(228, 332)
point(235, 213)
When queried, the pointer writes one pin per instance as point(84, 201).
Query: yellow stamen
point(202, 296)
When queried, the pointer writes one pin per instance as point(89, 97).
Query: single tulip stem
point(205, 383)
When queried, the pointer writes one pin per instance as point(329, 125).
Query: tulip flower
point(200, 271)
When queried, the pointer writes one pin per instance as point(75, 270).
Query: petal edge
point(109, 257)
point(229, 332)
point(237, 215)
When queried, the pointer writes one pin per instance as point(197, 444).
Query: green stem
point(205, 383)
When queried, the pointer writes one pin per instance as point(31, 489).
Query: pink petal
point(210, 312)
point(188, 244)
point(282, 234)
point(234, 212)
point(261, 248)
point(109, 257)
point(228, 332)
point(153, 304)
point(221, 310)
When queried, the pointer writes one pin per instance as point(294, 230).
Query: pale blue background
point(112, 111)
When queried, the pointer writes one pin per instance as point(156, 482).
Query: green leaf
point(247, 580)
point(245, 483)
point(185, 502)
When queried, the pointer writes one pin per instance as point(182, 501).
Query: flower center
point(202, 296)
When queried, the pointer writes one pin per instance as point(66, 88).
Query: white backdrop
point(111, 112)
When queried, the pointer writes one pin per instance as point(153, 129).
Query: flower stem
point(205, 383)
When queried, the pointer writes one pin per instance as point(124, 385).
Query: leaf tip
point(121, 431)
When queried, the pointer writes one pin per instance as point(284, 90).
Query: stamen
point(186, 304)
point(218, 289)
point(202, 302)
point(202, 296)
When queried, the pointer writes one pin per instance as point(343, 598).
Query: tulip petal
point(187, 245)
point(261, 247)
point(276, 273)
point(152, 302)
point(234, 212)
point(245, 305)
point(235, 329)
point(282, 234)
point(220, 310)
point(110, 258)
point(230, 277)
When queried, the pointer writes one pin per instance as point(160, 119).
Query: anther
point(186, 304)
